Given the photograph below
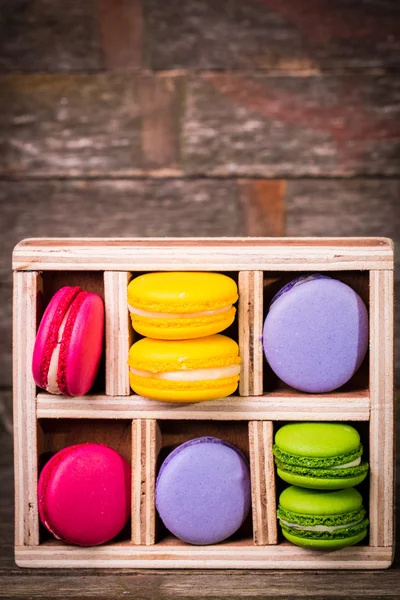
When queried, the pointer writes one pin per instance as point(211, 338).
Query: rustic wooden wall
point(155, 117)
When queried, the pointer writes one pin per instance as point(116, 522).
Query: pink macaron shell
point(84, 494)
point(46, 338)
point(82, 345)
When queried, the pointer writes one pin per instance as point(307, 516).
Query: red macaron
point(84, 494)
point(69, 342)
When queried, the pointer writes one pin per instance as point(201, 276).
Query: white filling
point(52, 385)
point(318, 527)
point(354, 463)
point(191, 375)
point(160, 315)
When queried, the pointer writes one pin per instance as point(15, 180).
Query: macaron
point(181, 305)
point(315, 334)
point(203, 491)
point(322, 520)
point(323, 456)
point(84, 494)
point(69, 342)
point(205, 368)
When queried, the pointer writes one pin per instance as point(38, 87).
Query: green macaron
point(323, 520)
point(323, 456)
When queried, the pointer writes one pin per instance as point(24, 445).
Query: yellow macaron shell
point(181, 305)
point(152, 360)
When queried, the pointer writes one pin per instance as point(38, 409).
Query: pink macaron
point(84, 494)
point(69, 342)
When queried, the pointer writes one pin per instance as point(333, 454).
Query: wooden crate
point(141, 429)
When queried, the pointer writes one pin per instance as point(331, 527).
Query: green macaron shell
point(318, 544)
point(317, 483)
point(318, 440)
point(316, 462)
point(339, 534)
point(320, 503)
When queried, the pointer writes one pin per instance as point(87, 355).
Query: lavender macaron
point(316, 333)
point(203, 491)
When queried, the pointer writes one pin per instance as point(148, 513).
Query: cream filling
point(161, 315)
point(354, 463)
point(319, 527)
point(191, 375)
point(52, 385)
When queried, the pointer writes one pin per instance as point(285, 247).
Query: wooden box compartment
point(147, 430)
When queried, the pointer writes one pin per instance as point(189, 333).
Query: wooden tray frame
point(140, 428)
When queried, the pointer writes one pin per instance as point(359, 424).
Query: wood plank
point(146, 441)
point(118, 333)
point(225, 125)
point(173, 555)
point(41, 36)
point(26, 290)
point(260, 126)
point(121, 28)
point(263, 204)
point(382, 427)
point(263, 497)
point(284, 405)
point(225, 254)
point(250, 315)
point(272, 34)
point(70, 125)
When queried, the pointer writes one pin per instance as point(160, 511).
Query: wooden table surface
point(179, 584)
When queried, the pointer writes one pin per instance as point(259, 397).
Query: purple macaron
point(316, 333)
point(203, 491)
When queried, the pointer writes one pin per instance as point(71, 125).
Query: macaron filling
point(193, 374)
point(323, 527)
point(318, 462)
point(52, 383)
point(176, 315)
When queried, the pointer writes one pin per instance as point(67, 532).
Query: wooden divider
point(262, 483)
point(27, 286)
point(381, 433)
point(146, 441)
point(118, 333)
point(250, 332)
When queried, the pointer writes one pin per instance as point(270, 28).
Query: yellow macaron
point(181, 305)
point(204, 368)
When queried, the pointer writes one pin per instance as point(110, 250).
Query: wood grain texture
point(250, 315)
point(146, 442)
point(78, 124)
point(263, 204)
point(382, 428)
point(118, 333)
point(225, 125)
point(25, 298)
point(224, 254)
point(121, 28)
point(261, 436)
point(280, 405)
point(337, 126)
point(47, 36)
point(272, 34)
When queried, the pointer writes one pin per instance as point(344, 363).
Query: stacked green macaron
point(322, 461)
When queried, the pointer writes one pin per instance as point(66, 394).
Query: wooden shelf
point(275, 406)
point(170, 553)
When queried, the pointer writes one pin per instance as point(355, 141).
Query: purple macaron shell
point(203, 491)
point(316, 333)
